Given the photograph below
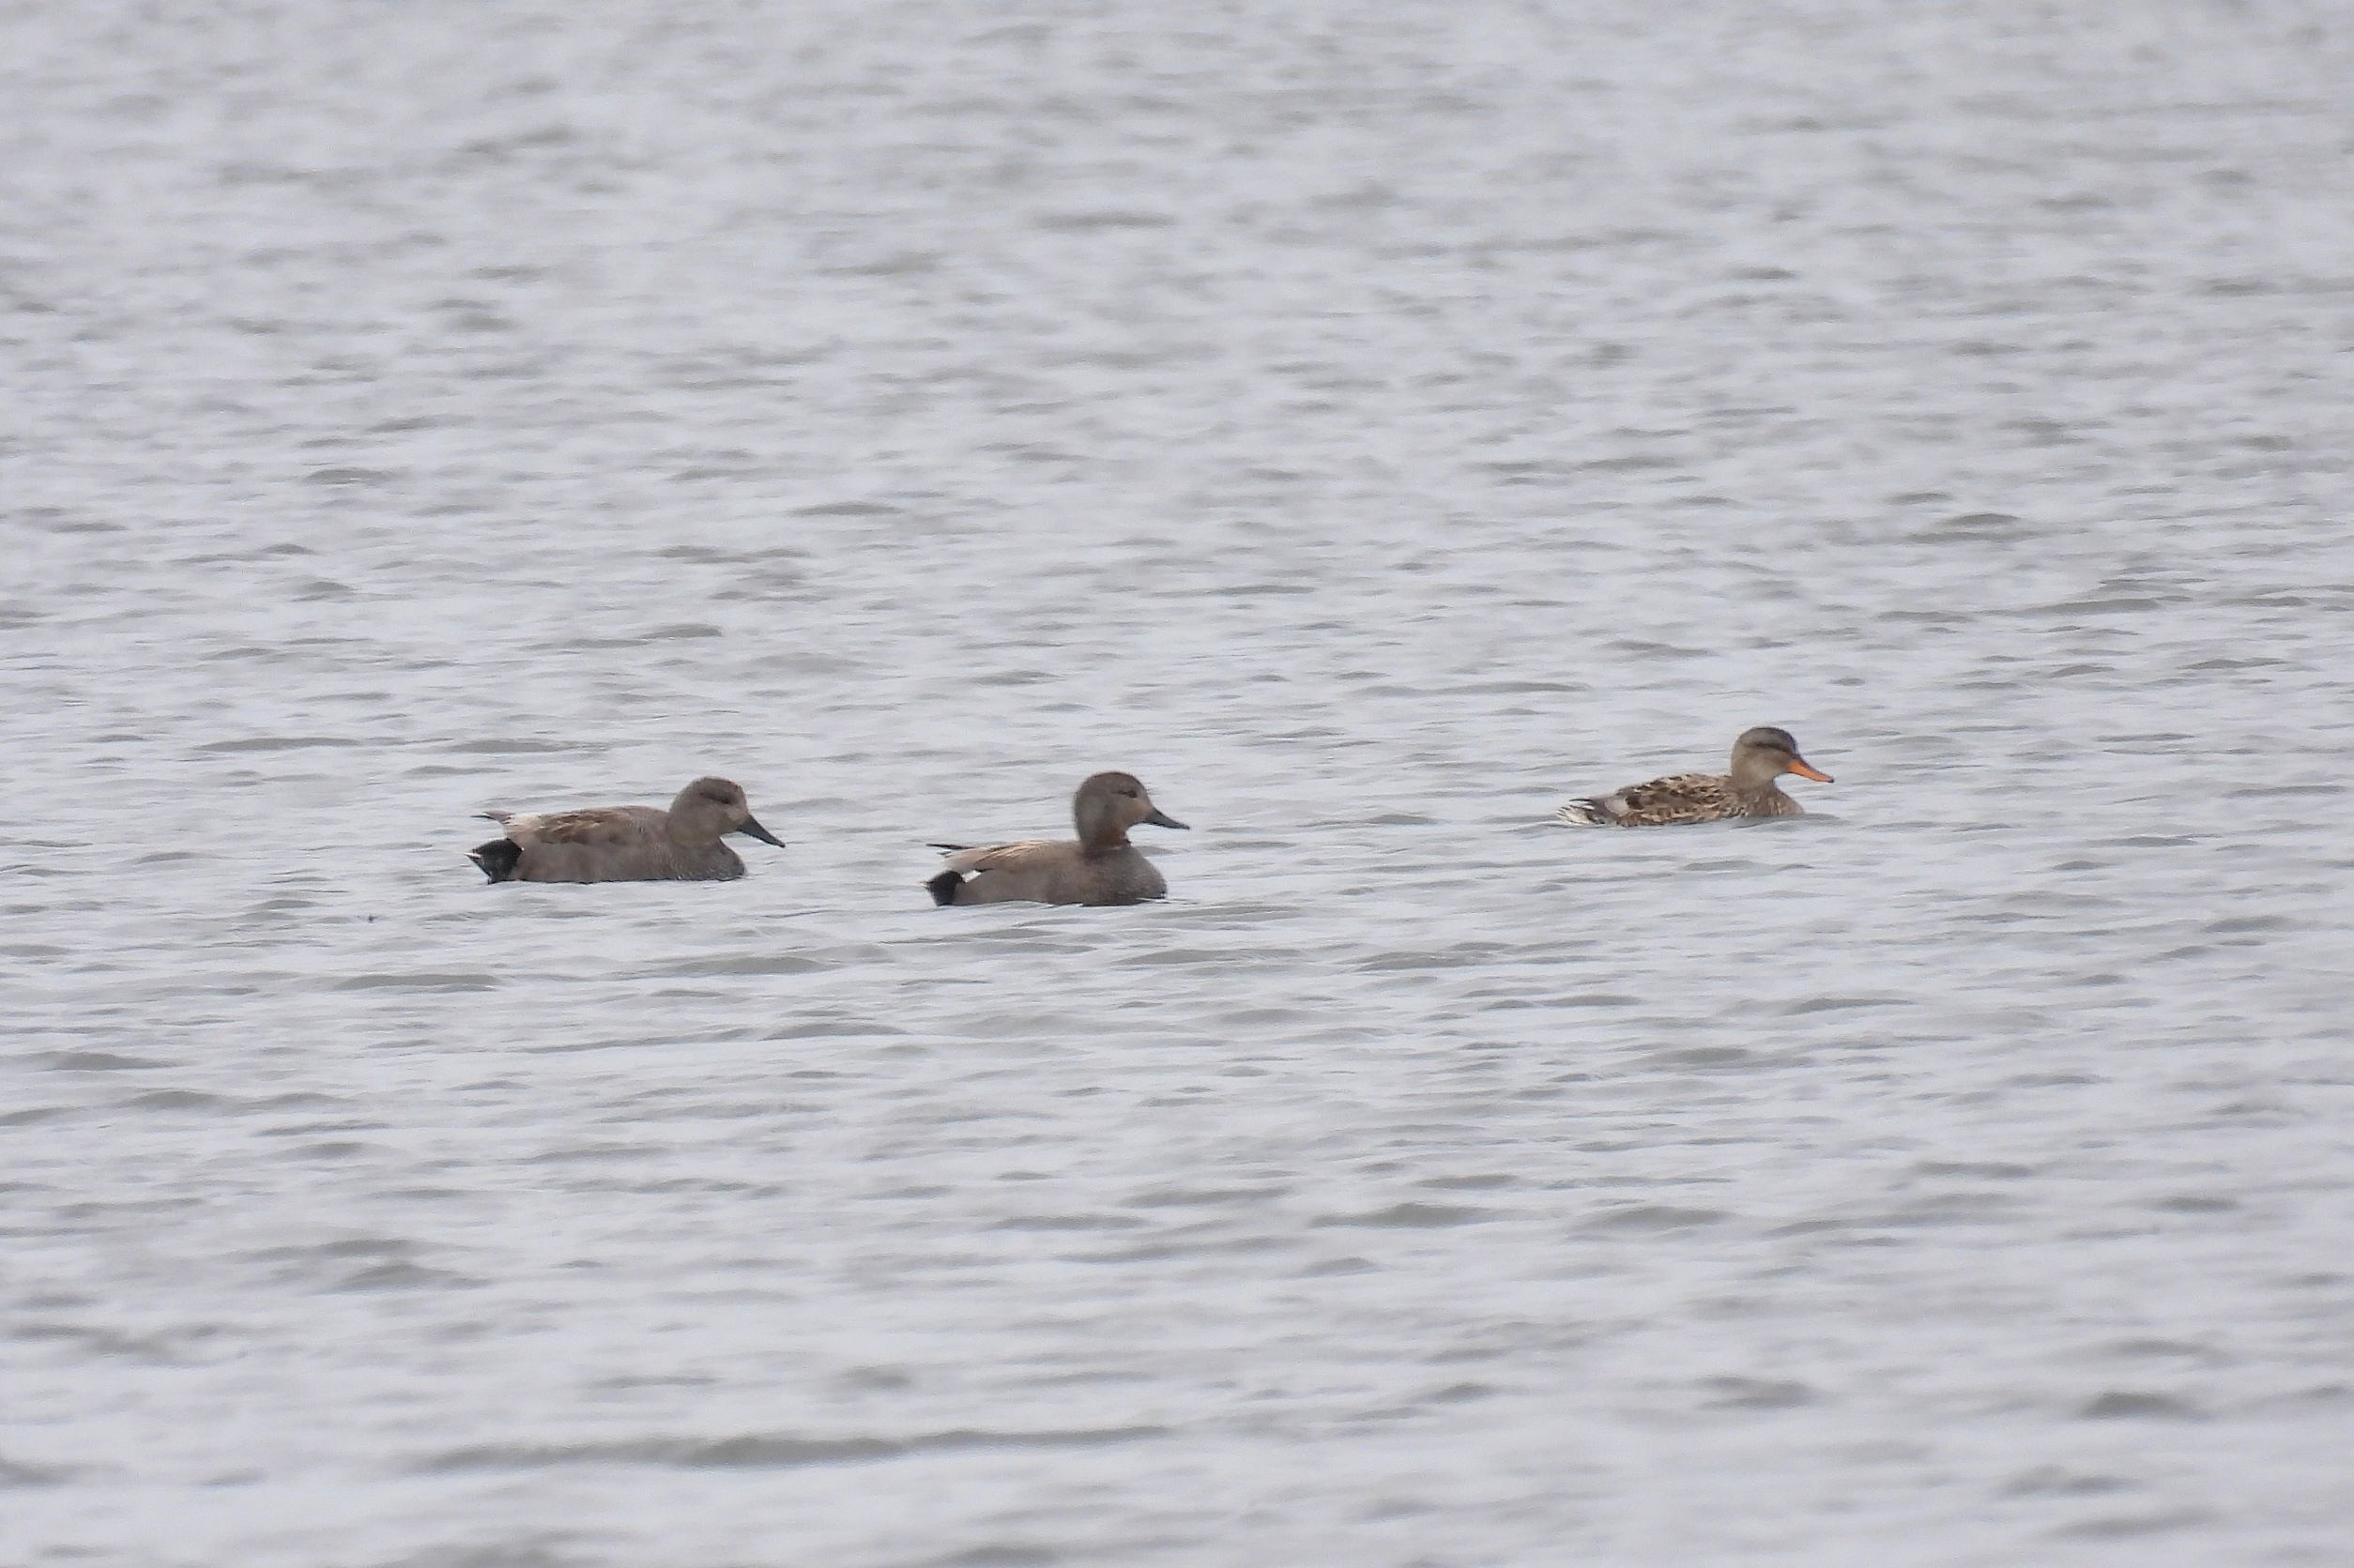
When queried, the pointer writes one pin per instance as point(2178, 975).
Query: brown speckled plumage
point(1760, 758)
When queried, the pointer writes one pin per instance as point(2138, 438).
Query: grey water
point(1370, 425)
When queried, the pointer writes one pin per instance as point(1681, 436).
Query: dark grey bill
point(752, 829)
point(1162, 819)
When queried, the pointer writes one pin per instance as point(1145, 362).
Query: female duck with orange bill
point(1760, 758)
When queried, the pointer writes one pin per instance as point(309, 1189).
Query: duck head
point(708, 809)
point(1109, 804)
point(1766, 754)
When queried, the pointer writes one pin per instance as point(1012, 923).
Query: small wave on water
point(1374, 438)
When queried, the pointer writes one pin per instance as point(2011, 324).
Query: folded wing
point(602, 826)
point(1681, 798)
point(999, 857)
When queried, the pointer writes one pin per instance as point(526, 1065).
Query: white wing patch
point(1588, 812)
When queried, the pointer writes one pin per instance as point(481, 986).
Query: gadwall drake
point(1100, 867)
point(626, 843)
point(1760, 757)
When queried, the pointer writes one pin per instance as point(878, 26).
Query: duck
point(626, 843)
point(1099, 867)
point(1760, 757)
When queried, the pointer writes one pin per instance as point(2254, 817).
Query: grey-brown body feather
point(1057, 871)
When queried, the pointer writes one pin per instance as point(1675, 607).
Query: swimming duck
point(1100, 867)
point(626, 843)
point(1760, 757)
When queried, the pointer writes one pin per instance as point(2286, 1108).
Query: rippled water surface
point(1370, 425)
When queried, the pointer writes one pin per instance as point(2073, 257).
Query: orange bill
point(1806, 770)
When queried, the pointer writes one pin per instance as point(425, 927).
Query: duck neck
point(1753, 778)
point(1100, 831)
point(697, 827)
